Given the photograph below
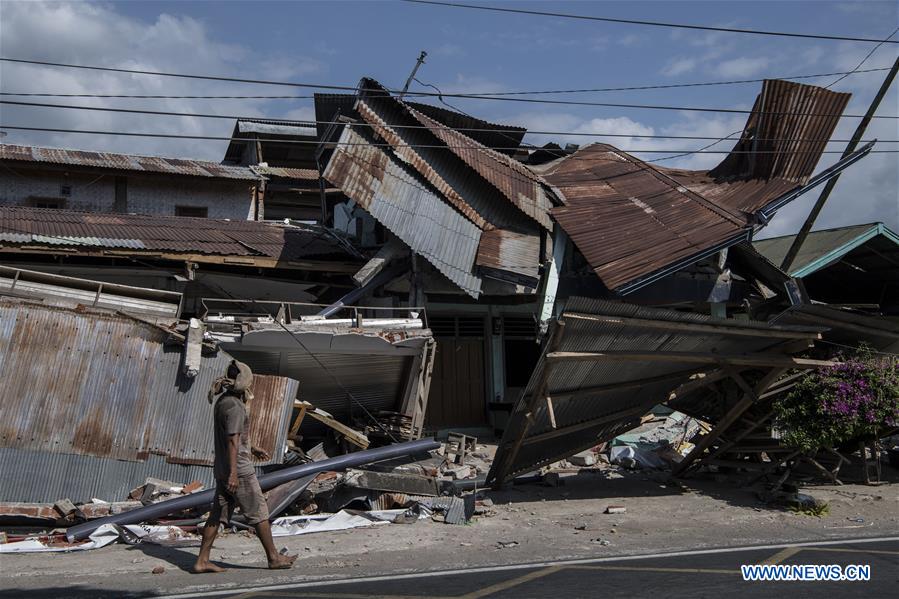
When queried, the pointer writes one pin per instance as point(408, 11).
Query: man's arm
point(233, 447)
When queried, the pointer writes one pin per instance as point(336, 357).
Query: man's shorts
point(248, 498)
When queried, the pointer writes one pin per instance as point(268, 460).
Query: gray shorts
point(248, 498)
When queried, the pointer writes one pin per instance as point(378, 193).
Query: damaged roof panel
point(571, 404)
point(507, 251)
point(36, 227)
point(394, 197)
point(630, 221)
point(125, 162)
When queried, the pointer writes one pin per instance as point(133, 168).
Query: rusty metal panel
point(125, 162)
point(397, 199)
point(505, 139)
point(104, 385)
point(785, 134)
point(587, 405)
point(630, 221)
point(36, 226)
point(517, 253)
point(518, 183)
point(303, 174)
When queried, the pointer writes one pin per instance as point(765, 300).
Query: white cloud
point(679, 66)
point(742, 67)
point(95, 34)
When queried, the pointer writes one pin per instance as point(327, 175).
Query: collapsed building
point(432, 273)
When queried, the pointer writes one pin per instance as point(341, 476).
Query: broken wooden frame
point(605, 364)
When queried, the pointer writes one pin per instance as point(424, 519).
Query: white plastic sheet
point(103, 536)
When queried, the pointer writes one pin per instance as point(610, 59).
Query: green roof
point(821, 248)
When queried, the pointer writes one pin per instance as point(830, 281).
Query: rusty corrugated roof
point(125, 162)
point(36, 227)
point(303, 174)
point(508, 251)
point(629, 220)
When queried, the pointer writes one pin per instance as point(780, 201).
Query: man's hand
point(260, 454)
point(232, 482)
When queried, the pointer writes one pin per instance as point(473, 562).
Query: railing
point(287, 312)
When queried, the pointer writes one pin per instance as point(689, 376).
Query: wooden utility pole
point(825, 193)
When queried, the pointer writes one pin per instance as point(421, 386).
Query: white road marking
point(511, 567)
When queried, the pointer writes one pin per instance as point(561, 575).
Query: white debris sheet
point(172, 535)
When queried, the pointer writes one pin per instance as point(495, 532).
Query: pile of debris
point(421, 483)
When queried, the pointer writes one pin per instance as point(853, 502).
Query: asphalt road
point(695, 574)
point(687, 574)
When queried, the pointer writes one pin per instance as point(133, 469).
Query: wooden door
point(457, 396)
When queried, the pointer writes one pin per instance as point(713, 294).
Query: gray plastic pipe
point(267, 481)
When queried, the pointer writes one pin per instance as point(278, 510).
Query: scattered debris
point(616, 509)
point(506, 544)
point(158, 570)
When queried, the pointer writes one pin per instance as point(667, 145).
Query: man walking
point(235, 476)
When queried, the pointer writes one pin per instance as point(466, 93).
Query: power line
point(863, 61)
point(385, 145)
point(240, 117)
point(647, 23)
point(469, 96)
point(355, 90)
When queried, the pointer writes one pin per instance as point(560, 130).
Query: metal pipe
point(382, 278)
point(267, 481)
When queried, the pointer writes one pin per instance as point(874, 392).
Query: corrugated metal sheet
point(785, 134)
point(630, 221)
point(103, 385)
point(517, 182)
point(817, 245)
point(492, 135)
point(38, 476)
point(275, 127)
point(304, 174)
point(125, 162)
point(398, 200)
point(36, 226)
point(509, 251)
point(586, 415)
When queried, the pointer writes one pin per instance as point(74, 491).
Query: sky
point(337, 43)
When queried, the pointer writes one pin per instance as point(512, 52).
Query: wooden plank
point(729, 418)
point(295, 428)
point(761, 360)
point(572, 393)
point(633, 412)
point(354, 437)
point(550, 411)
point(698, 327)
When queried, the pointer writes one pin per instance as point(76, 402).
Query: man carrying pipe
point(235, 475)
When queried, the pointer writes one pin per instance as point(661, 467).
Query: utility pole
point(418, 63)
point(825, 193)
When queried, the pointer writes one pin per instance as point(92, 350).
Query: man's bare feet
point(282, 562)
point(207, 568)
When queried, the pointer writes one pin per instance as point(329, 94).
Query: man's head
point(242, 376)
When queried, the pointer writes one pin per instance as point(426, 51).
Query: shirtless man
point(235, 475)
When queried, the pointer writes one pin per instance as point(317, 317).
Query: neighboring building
point(855, 266)
point(124, 183)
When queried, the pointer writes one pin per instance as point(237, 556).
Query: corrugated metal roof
point(517, 182)
point(784, 113)
point(595, 401)
point(104, 385)
point(629, 220)
point(406, 206)
point(277, 127)
point(305, 174)
point(507, 137)
point(821, 247)
point(503, 250)
point(125, 162)
point(88, 230)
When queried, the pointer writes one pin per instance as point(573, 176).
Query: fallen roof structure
point(201, 240)
point(124, 162)
point(95, 399)
point(636, 222)
point(605, 364)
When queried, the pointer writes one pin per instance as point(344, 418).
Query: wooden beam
point(696, 327)
point(550, 411)
point(839, 324)
point(729, 418)
point(571, 393)
point(633, 412)
point(760, 360)
point(354, 437)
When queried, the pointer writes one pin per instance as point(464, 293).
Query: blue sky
point(469, 51)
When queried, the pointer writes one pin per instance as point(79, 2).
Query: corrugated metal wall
point(101, 385)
